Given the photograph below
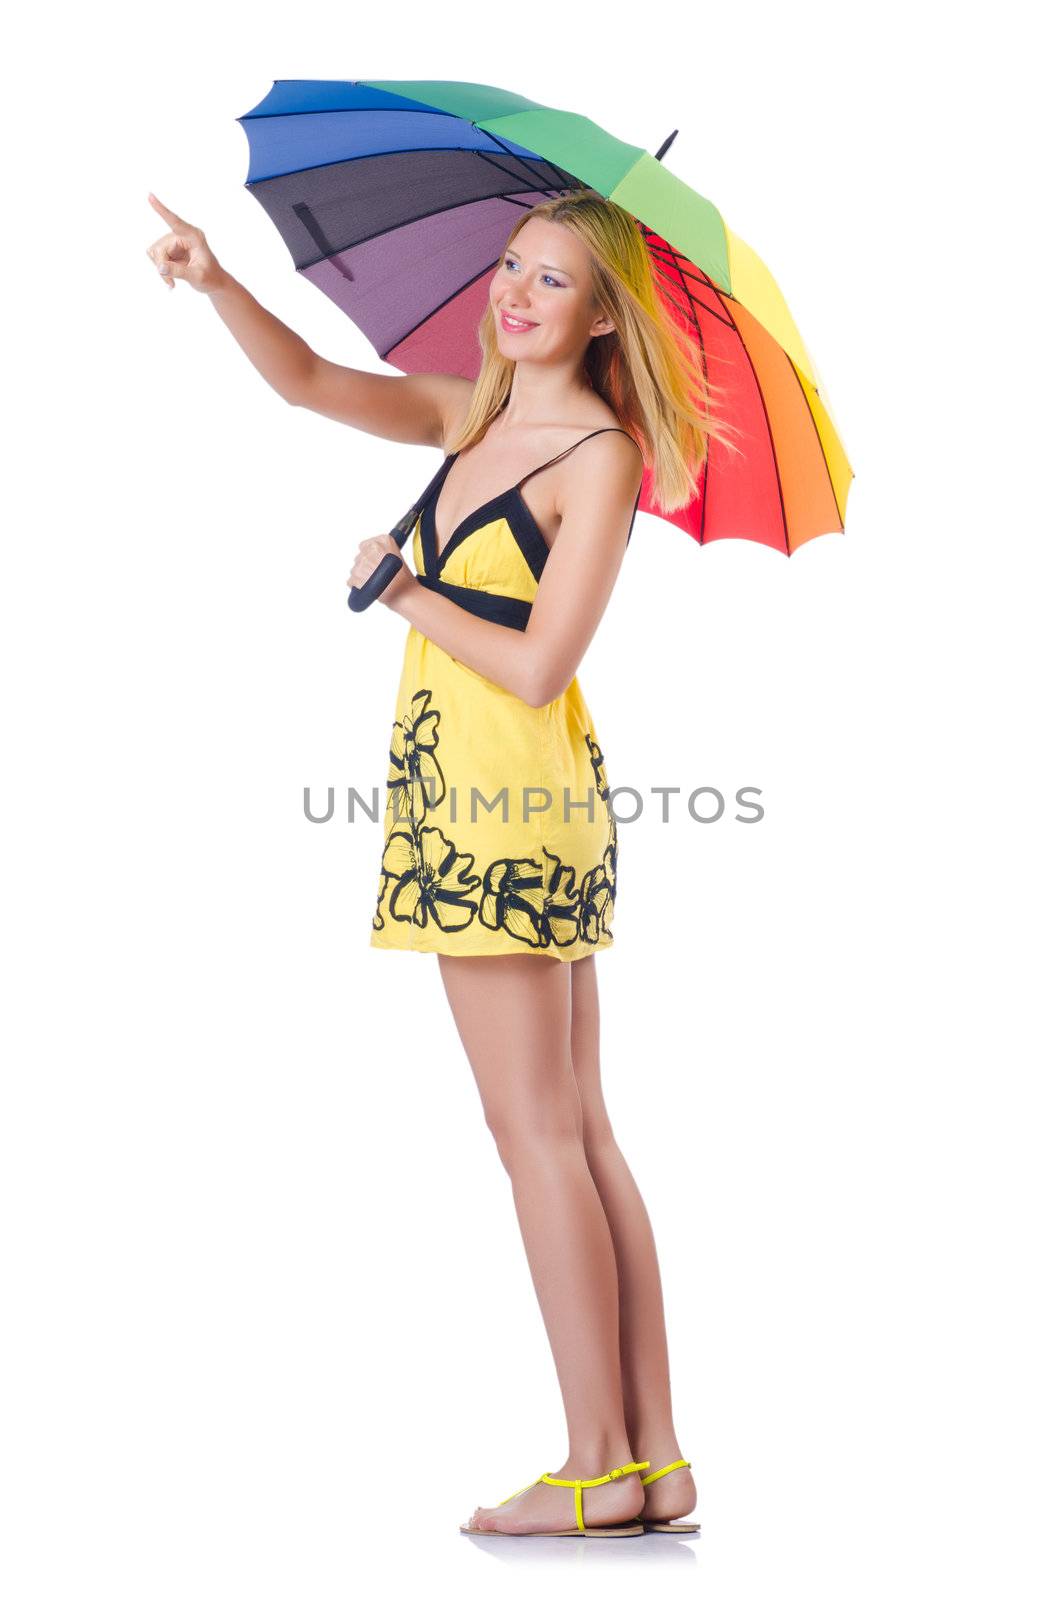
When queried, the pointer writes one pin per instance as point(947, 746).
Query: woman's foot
point(672, 1497)
point(549, 1508)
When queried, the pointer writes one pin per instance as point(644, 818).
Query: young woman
point(516, 551)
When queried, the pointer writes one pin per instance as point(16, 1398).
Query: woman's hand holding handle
point(377, 566)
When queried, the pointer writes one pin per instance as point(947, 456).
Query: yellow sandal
point(610, 1530)
point(667, 1527)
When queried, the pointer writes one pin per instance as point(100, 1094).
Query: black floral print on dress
point(432, 879)
point(604, 791)
point(415, 784)
point(537, 905)
point(425, 876)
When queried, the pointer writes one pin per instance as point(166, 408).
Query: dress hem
point(556, 952)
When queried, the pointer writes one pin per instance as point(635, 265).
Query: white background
point(268, 1318)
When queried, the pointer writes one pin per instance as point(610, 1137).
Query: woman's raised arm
point(415, 409)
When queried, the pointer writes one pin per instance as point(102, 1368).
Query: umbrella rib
point(533, 179)
point(381, 155)
point(664, 287)
point(385, 354)
point(665, 248)
point(391, 227)
point(515, 177)
point(820, 441)
point(711, 312)
point(500, 143)
point(367, 155)
point(769, 432)
point(703, 354)
point(521, 205)
point(686, 279)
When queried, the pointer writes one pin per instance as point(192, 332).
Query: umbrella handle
point(360, 599)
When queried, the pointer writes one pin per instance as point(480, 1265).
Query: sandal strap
point(516, 1492)
point(661, 1470)
point(578, 1484)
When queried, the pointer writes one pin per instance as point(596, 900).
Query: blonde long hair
point(650, 370)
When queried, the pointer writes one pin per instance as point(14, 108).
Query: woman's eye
point(508, 262)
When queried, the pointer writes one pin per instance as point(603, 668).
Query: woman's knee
point(538, 1134)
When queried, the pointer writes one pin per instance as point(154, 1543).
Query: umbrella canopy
point(397, 198)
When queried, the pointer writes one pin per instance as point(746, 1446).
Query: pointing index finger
point(171, 217)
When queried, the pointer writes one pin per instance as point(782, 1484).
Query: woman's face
point(544, 281)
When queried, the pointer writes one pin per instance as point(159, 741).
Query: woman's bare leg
point(513, 1014)
point(645, 1360)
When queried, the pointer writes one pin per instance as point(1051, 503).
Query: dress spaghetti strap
point(568, 450)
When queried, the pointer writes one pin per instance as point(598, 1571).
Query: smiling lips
point(515, 325)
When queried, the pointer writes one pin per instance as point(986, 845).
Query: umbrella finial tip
point(665, 145)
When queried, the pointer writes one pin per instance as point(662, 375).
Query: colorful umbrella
point(396, 200)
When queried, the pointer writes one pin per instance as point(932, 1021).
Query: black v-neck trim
point(510, 502)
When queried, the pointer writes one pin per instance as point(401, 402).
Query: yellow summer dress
point(499, 835)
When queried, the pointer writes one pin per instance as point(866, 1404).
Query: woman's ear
point(601, 325)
